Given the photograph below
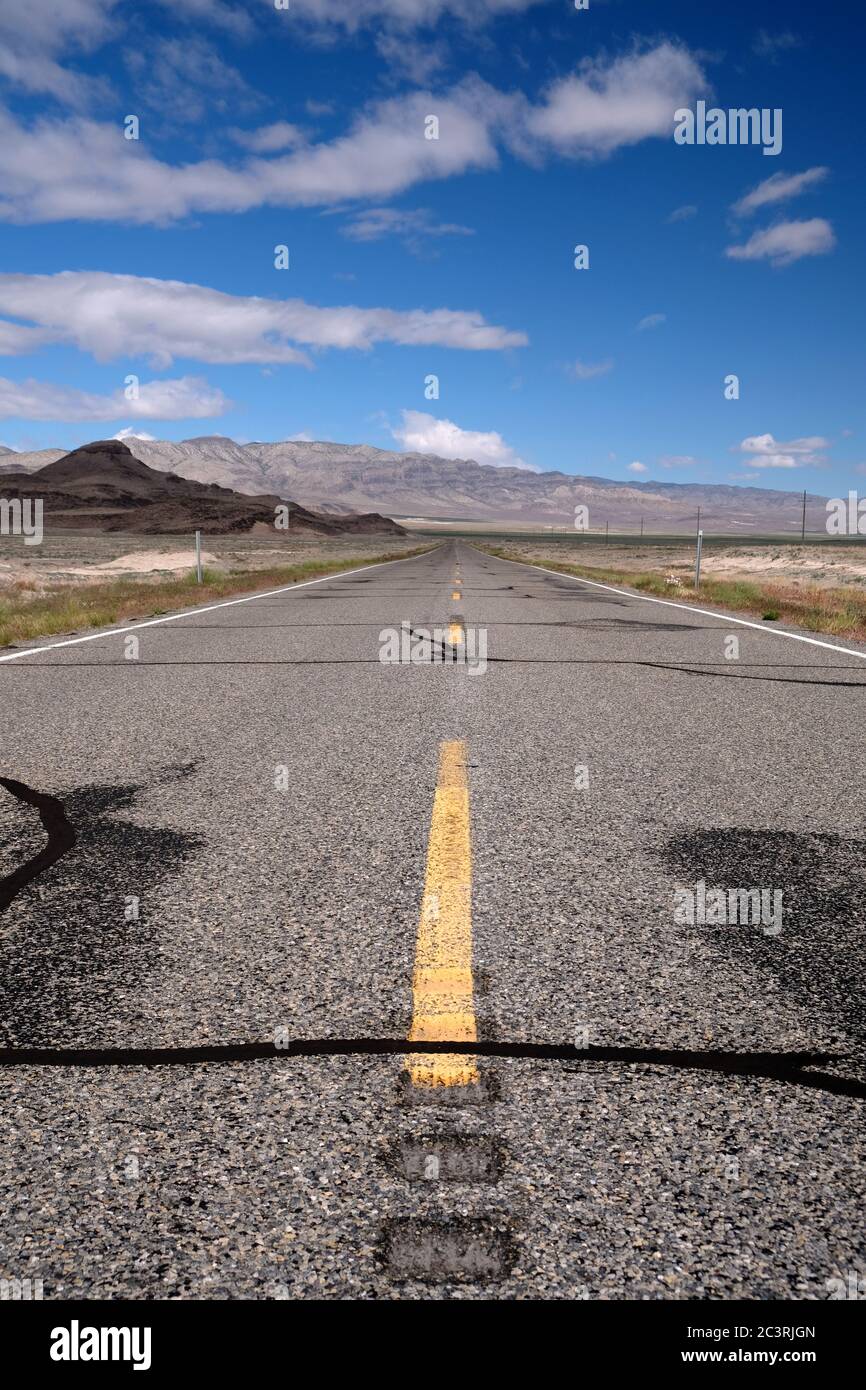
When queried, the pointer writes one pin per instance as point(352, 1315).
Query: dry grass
point(839, 611)
point(85, 606)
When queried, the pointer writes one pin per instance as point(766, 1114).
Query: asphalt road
point(252, 800)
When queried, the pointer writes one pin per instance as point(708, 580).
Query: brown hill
point(103, 486)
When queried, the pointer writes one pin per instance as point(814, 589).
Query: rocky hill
point(104, 486)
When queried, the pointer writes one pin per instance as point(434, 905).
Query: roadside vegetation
point(71, 609)
point(839, 611)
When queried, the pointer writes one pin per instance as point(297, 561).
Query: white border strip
point(683, 607)
point(211, 608)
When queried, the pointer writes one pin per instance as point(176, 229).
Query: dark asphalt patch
point(79, 948)
point(820, 954)
point(462, 1250)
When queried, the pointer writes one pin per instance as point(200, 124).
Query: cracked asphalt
point(252, 802)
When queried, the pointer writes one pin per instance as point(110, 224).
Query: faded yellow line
point(455, 634)
point(456, 594)
point(442, 989)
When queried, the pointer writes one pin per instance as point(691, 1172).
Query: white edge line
point(211, 608)
point(686, 607)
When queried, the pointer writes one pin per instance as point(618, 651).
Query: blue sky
point(154, 258)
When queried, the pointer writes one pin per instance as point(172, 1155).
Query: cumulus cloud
point(767, 452)
point(779, 187)
point(585, 371)
point(130, 433)
point(127, 315)
point(787, 242)
point(187, 397)
point(637, 468)
point(424, 434)
point(605, 106)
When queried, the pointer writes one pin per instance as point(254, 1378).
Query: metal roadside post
point(198, 576)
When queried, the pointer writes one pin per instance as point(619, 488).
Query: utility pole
point(606, 529)
point(803, 529)
point(198, 574)
point(699, 521)
point(641, 527)
point(698, 559)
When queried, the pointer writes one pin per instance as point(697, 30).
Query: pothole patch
point(463, 1250)
point(449, 1158)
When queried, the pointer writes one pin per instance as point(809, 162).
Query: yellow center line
point(455, 634)
point(442, 987)
point(456, 594)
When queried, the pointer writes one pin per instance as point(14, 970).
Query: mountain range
point(341, 479)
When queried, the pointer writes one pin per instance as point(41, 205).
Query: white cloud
point(767, 452)
point(637, 468)
point(234, 20)
point(423, 434)
point(400, 14)
point(585, 371)
point(183, 79)
point(82, 169)
point(127, 315)
point(787, 242)
point(267, 139)
point(651, 321)
point(409, 58)
point(186, 398)
point(779, 187)
point(605, 106)
point(55, 170)
point(130, 433)
point(34, 34)
point(677, 460)
point(16, 340)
